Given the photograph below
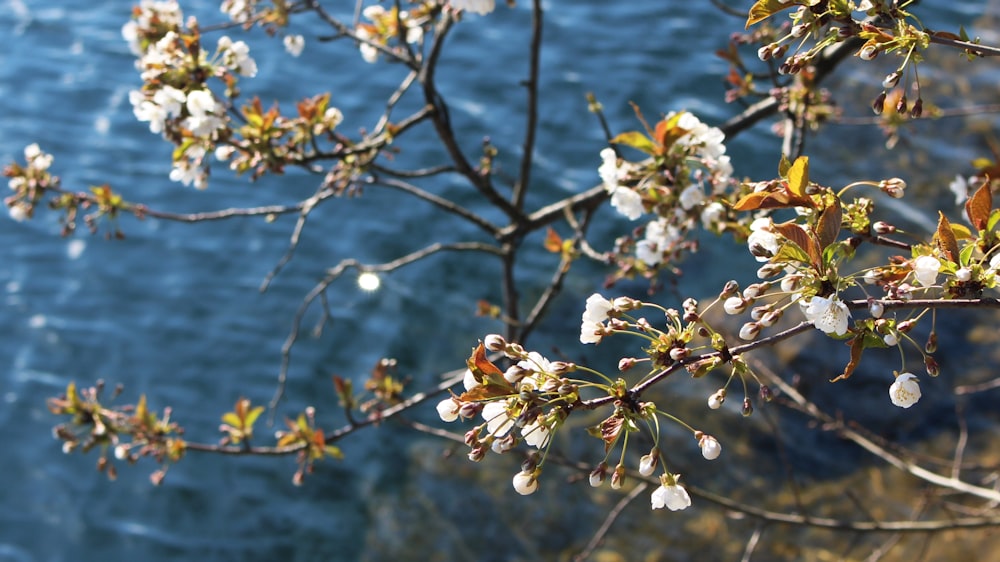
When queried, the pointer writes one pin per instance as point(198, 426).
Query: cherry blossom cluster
point(28, 182)
point(386, 26)
point(529, 400)
point(682, 183)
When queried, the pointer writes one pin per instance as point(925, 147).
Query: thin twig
point(531, 127)
point(752, 543)
point(613, 515)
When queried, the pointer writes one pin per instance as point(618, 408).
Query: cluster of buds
point(94, 425)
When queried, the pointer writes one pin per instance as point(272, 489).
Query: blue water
point(173, 310)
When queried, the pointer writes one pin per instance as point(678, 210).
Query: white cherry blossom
point(627, 202)
point(925, 269)
point(670, 495)
point(828, 315)
point(447, 409)
point(710, 447)
point(594, 316)
point(905, 391)
point(481, 7)
point(498, 421)
point(294, 44)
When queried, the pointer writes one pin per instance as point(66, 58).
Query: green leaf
point(636, 140)
point(763, 9)
point(798, 176)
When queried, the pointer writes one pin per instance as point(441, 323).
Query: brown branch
point(974, 48)
point(531, 127)
point(446, 205)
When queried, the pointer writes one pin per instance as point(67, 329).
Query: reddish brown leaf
point(945, 239)
point(488, 374)
point(801, 238)
point(553, 242)
point(857, 346)
point(979, 206)
point(610, 429)
point(828, 225)
point(771, 200)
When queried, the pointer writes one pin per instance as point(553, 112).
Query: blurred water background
point(173, 311)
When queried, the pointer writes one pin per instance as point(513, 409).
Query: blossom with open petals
point(627, 202)
point(294, 44)
point(925, 269)
point(498, 421)
point(593, 319)
point(670, 494)
point(828, 315)
point(481, 7)
point(905, 391)
point(535, 434)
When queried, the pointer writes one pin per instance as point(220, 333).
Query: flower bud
point(875, 308)
point(477, 453)
point(901, 105)
point(747, 407)
point(735, 305)
point(710, 447)
point(893, 187)
point(918, 108)
point(647, 464)
point(963, 274)
point(931, 364)
point(750, 331)
point(755, 290)
point(765, 393)
point(881, 227)
point(469, 409)
point(626, 363)
point(868, 52)
point(770, 318)
point(447, 409)
point(764, 53)
point(525, 483)
point(890, 339)
point(931, 345)
point(769, 270)
point(891, 80)
point(618, 477)
point(730, 289)
point(495, 342)
point(879, 104)
point(679, 353)
point(715, 401)
point(872, 276)
point(598, 474)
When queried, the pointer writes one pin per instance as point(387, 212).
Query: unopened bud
point(868, 52)
point(750, 331)
point(875, 308)
point(931, 364)
point(730, 289)
point(963, 274)
point(770, 318)
point(679, 353)
point(735, 305)
point(647, 464)
point(932, 343)
point(765, 393)
point(765, 53)
point(918, 108)
point(891, 80)
point(755, 290)
point(901, 105)
point(881, 227)
point(769, 270)
point(626, 363)
point(598, 474)
point(747, 407)
point(879, 104)
point(494, 342)
point(618, 477)
point(715, 401)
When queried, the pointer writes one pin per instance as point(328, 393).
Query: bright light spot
point(75, 248)
point(37, 321)
point(369, 281)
